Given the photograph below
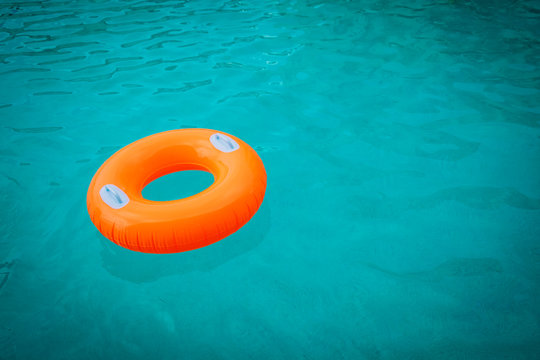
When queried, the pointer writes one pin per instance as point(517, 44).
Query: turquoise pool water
point(402, 145)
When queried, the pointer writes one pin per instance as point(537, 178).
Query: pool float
point(121, 214)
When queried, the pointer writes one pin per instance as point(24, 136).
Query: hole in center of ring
point(178, 185)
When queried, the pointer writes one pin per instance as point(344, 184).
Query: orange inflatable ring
point(121, 214)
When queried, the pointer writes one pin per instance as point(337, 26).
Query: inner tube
point(119, 211)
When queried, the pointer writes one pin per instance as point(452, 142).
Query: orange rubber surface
point(178, 225)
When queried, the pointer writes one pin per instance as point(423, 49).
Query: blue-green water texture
point(402, 145)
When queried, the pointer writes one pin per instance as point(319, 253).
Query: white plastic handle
point(224, 143)
point(113, 196)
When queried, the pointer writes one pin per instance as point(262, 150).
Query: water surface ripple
point(402, 145)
